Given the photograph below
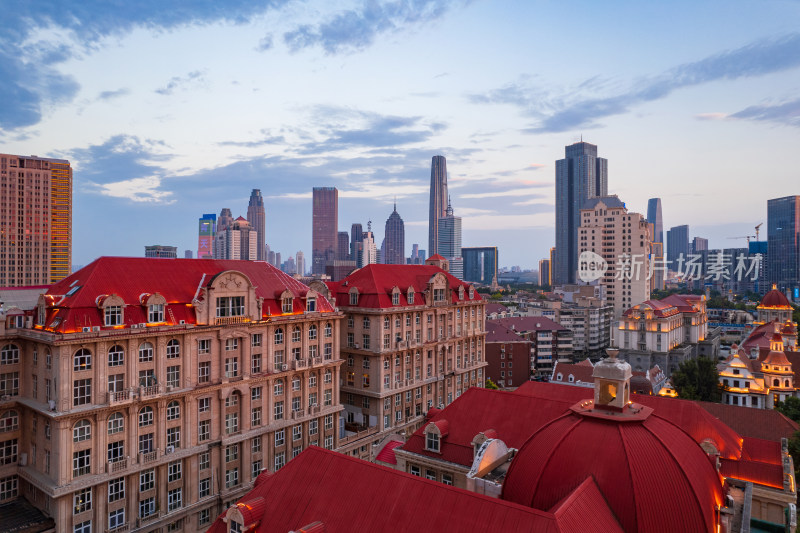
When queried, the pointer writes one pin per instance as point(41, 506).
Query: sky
point(171, 110)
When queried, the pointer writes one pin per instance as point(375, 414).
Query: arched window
point(145, 416)
point(312, 332)
point(116, 355)
point(82, 360)
point(296, 334)
point(173, 411)
point(9, 355)
point(9, 421)
point(279, 336)
point(116, 423)
point(786, 383)
point(328, 329)
point(173, 349)
point(145, 352)
point(776, 383)
point(81, 431)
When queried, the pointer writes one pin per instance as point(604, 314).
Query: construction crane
point(761, 224)
point(748, 237)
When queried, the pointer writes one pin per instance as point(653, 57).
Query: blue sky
point(169, 112)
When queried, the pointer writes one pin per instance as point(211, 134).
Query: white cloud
point(137, 190)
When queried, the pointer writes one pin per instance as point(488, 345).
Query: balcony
point(300, 364)
point(119, 529)
point(120, 397)
point(148, 457)
point(117, 466)
point(149, 390)
point(296, 415)
point(228, 320)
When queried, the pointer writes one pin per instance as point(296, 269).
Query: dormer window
point(471, 292)
point(155, 313)
point(113, 315)
point(432, 442)
point(395, 298)
point(236, 527)
point(410, 297)
point(230, 306)
point(354, 298)
point(42, 314)
point(311, 304)
point(287, 305)
point(438, 295)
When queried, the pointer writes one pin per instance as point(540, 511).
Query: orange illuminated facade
point(35, 220)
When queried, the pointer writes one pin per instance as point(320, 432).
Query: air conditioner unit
point(169, 450)
point(96, 328)
point(284, 367)
point(86, 329)
point(52, 404)
point(181, 322)
point(142, 325)
point(170, 388)
point(134, 326)
point(23, 459)
point(356, 346)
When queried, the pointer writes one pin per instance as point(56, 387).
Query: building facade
point(783, 241)
point(257, 220)
point(579, 176)
point(623, 240)
point(35, 220)
point(550, 342)
point(480, 264)
point(544, 272)
point(324, 227)
point(238, 241)
point(677, 244)
point(343, 246)
point(413, 340)
point(654, 217)
point(154, 403)
point(450, 242)
point(164, 252)
point(438, 201)
point(394, 240)
point(206, 231)
point(504, 348)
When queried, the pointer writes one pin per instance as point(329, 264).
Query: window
point(430, 474)
point(9, 487)
point(116, 356)
point(173, 349)
point(146, 443)
point(255, 445)
point(231, 345)
point(204, 487)
point(255, 364)
point(147, 507)
point(174, 437)
point(145, 416)
point(231, 423)
point(296, 403)
point(204, 372)
point(328, 376)
point(116, 519)
point(204, 430)
point(278, 410)
point(366, 341)
point(204, 461)
point(173, 410)
point(279, 336)
point(353, 298)
point(256, 469)
point(113, 315)
point(329, 442)
point(278, 387)
point(204, 517)
point(328, 422)
point(296, 334)
point(366, 322)
point(81, 392)
point(328, 351)
point(287, 305)
point(82, 360)
point(296, 451)
point(231, 478)
point(328, 330)
point(328, 397)
point(230, 306)
point(81, 431)
point(204, 346)
point(174, 471)
point(145, 352)
point(173, 376)
point(255, 417)
point(295, 383)
point(395, 298)
point(116, 489)
point(231, 367)
point(432, 442)
point(81, 460)
point(83, 527)
point(280, 460)
point(255, 339)
point(280, 437)
point(155, 313)
point(82, 501)
point(312, 333)
point(414, 470)
point(147, 480)
point(297, 432)
point(116, 451)
point(313, 427)
point(365, 381)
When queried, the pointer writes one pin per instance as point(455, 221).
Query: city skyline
point(500, 105)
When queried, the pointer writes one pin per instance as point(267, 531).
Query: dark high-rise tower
point(394, 240)
point(343, 246)
point(356, 244)
point(438, 204)
point(255, 216)
point(677, 244)
point(579, 176)
point(225, 219)
point(654, 217)
point(783, 241)
point(324, 228)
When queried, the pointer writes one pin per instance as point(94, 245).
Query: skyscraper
point(480, 264)
point(300, 260)
point(698, 245)
point(324, 230)
point(343, 246)
point(450, 241)
point(369, 251)
point(356, 239)
point(256, 218)
point(237, 241)
point(579, 176)
point(438, 203)
point(225, 219)
point(544, 272)
point(35, 220)
point(205, 241)
point(654, 217)
point(395, 240)
point(677, 244)
point(783, 241)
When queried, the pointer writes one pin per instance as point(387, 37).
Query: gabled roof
point(347, 494)
point(580, 372)
point(522, 324)
point(499, 333)
point(765, 424)
point(375, 283)
point(494, 307)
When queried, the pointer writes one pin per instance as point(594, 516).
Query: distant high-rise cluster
point(324, 229)
point(35, 220)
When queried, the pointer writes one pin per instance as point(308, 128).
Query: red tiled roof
point(670, 305)
point(527, 323)
point(178, 280)
point(347, 494)
point(766, 424)
point(775, 298)
point(493, 307)
point(763, 474)
point(585, 507)
point(760, 450)
point(386, 455)
point(579, 372)
point(499, 333)
point(375, 284)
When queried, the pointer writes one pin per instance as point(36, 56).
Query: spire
point(449, 211)
point(395, 203)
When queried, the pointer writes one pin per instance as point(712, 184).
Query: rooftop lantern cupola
point(612, 379)
point(776, 343)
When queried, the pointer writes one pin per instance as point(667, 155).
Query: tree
point(697, 379)
point(491, 384)
point(791, 408)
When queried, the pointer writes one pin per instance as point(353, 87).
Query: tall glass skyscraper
point(324, 227)
point(783, 241)
point(450, 242)
point(480, 264)
point(256, 218)
point(579, 176)
point(394, 240)
point(677, 244)
point(438, 203)
point(654, 217)
point(205, 241)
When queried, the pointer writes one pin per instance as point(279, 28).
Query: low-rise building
point(504, 347)
point(550, 342)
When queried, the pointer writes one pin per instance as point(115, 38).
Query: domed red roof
point(634, 462)
point(775, 298)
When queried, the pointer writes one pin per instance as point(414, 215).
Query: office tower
point(394, 240)
point(164, 252)
point(658, 279)
point(271, 258)
point(698, 245)
point(256, 218)
point(225, 219)
point(187, 254)
point(605, 223)
point(343, 246)
point(783, 240)
point(35, 220)
point(579, 176)
point(369, 251)
point(654, 217)
point(324, 232)
point(438, 202)
point(237, 241)
point(355, 241)
point(277, 260)
point(290, 267)
point(544, 272)
point(206, 231)
point(300, 260)
point(677, 244)
point(480, 264)
point(552, 264)
point(449, 241)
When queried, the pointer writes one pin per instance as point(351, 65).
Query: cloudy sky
point(170, 110)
